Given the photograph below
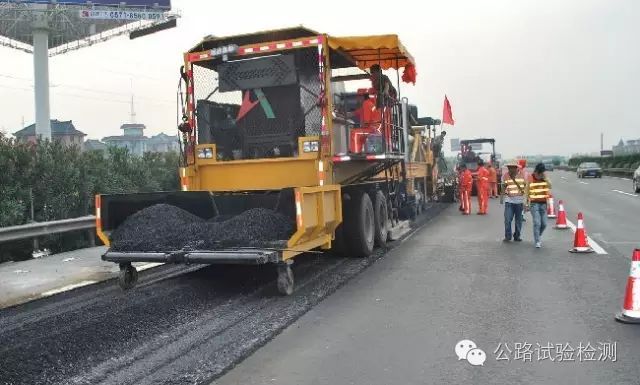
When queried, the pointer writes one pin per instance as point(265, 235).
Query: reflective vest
point(538, 190)
point(466, 180)
point(511, 188)
point(483, 176)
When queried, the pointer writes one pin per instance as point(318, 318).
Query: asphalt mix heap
point(165, 227)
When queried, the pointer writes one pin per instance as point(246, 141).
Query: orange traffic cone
point(561, 220)
point(580, 242)
point(551, 209)
point(630, 313)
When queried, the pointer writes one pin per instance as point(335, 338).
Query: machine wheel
point(381, 219)
point(128, 276)
point(285, 279)
point(339, 245)
point(359, 226)
point(636, 186)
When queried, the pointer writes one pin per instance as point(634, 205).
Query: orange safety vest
point(466, 180)
point(483, 176)
point(493, 175)
point(367, 113)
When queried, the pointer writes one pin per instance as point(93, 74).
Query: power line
point(98, 91)
point(156, 101)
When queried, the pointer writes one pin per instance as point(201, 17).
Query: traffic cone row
point(630, 313)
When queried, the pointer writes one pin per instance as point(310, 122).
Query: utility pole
point(601, 141)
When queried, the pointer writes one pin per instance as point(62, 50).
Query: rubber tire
point(636, 187)
point(381, 219)
point(339, 244)
point(359, 226)
point(285, 279)
point(128, 277)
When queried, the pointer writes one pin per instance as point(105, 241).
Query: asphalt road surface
point(540, 316)
point(610, 206)
point(180, 325)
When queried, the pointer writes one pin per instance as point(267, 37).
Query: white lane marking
point(68, 259)
point(563, 177)
point(66, 288)
point(583, 182)
point(594, 245)
point(619, 177)
point(20, 271)
point(625, 193)
point(147, 266)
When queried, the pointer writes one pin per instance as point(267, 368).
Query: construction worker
point(482, 186)
point(466, 186)
point(522, 167)
point(385, 92)
point(366, 113)
point(537, 193)
point(493, 181)
point(513, 191)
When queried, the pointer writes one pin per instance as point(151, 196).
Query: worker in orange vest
point(493, 181)
point(482, 185)
point(366, 114)
point(466, 185)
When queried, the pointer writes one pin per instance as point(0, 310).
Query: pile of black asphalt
point(162, 227)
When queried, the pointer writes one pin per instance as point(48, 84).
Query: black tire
point(636, 187)
point(128, 276)
point(285, 279)
point(339, 245)
point(359, 226)
point(381, 219)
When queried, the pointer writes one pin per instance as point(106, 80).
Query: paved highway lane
point(398, 322)
point(611, 209)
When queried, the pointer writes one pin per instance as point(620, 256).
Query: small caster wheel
point(128, 276)
point(285, 279)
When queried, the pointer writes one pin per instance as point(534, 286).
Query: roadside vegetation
point(50, 181)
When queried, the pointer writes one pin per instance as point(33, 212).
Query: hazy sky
point(540, 76)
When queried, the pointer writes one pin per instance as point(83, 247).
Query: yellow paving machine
point(267, 123)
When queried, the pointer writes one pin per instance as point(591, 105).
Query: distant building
point(64, 132)
point(94, 145)
point(163, 143)
point(137, 143)
point(132, 139)
point(630, 147)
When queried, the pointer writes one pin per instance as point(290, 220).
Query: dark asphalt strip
point(185, 329)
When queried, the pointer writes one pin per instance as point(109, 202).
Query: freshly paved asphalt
point(398, 321)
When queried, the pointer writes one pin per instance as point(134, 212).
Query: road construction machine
point(267, 123)
point(468, 156)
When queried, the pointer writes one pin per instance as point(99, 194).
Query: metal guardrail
point(36, 229)
point(619, 172)
point(626, 172)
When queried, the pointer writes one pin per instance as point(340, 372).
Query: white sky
point(540, 76)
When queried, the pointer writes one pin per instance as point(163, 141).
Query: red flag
point(409, 74)
point(447, 115)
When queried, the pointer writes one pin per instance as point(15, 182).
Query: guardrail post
point(92, 238)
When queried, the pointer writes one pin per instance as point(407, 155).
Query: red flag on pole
point(447, 115)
